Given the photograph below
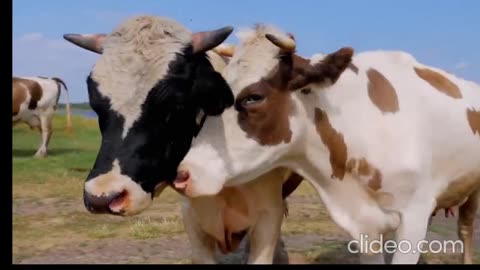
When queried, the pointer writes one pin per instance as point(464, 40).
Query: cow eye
point(252, 99)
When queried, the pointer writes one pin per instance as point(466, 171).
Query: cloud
point(35, 54)
point(461, 65)
point(30, 37)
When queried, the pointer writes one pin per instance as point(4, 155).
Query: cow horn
point(226, 50)
point(286, 44)
point(205, 41)
point(91, 42)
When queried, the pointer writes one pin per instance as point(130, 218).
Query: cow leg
point(466, 219)
point(375, 255)
point(46, 130)
point(203, 245)
point(265, 235)
point(413, 230)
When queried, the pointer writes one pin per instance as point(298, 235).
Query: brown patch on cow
point(19, 95)
point(363, 169)
point(327, 70)
point(381, 92)
point(353, 68)
point(439, 82)
point(458, 190)
point(334, 142)
point(473, 117)
point(267, 121)
point(34, 89)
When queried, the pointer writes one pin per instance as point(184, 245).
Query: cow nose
point(99, 204)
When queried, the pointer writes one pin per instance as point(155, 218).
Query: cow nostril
point(100, 204)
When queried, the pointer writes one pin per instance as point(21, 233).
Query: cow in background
point(34, 102)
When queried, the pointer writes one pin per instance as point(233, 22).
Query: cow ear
point(328, 69)
point(211, 91)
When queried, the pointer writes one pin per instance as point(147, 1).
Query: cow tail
point(67, 97)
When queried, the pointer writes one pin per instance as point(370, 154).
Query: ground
point(51, 225)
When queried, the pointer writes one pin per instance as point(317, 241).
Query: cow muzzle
point(183, 183)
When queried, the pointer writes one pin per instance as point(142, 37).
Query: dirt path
point(308, 237)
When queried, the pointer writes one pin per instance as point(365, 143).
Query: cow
point(157, 129)
point(222, 221)
point(34, 102)
point(149, 85)
point(384, 139)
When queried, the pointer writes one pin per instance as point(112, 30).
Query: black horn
point(205, 41)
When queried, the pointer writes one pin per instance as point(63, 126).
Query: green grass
point(70, 157)
point(47, 194)
point(48, 211)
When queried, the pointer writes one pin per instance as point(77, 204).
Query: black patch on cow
point(159, 140)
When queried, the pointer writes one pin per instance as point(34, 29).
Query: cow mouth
point(117, 205)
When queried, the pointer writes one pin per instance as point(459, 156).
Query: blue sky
point(441, 33)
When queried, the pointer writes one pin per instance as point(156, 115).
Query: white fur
point(135, 57)
point(103, 185)
point(420, 149)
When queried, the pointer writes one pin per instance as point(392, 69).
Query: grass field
point(51, 225)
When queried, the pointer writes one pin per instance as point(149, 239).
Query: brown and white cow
point(34, 102)
point(385, 139)
point(223, 220)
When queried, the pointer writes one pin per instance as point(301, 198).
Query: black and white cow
point(150, 84)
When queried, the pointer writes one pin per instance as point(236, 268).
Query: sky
point(441, 33)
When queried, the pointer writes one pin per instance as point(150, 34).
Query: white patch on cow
point(135, 57)
point(255, 49)
point(114, 182)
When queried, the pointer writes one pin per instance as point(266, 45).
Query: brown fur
point(464, 191)
point(361, 167)
point(334, 142)
point(381, 92)
point(34, 89)
point(473, 117)
point(466, 218)
point(458, 190)
point(267, 121)
point(291, 184)
point(19, 94)
point(329, 69)
point(439, 82)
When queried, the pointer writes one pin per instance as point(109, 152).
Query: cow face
point(268, 125)
point(151, 83)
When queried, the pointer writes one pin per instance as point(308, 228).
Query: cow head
point(150, 85)
point(268, 125)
